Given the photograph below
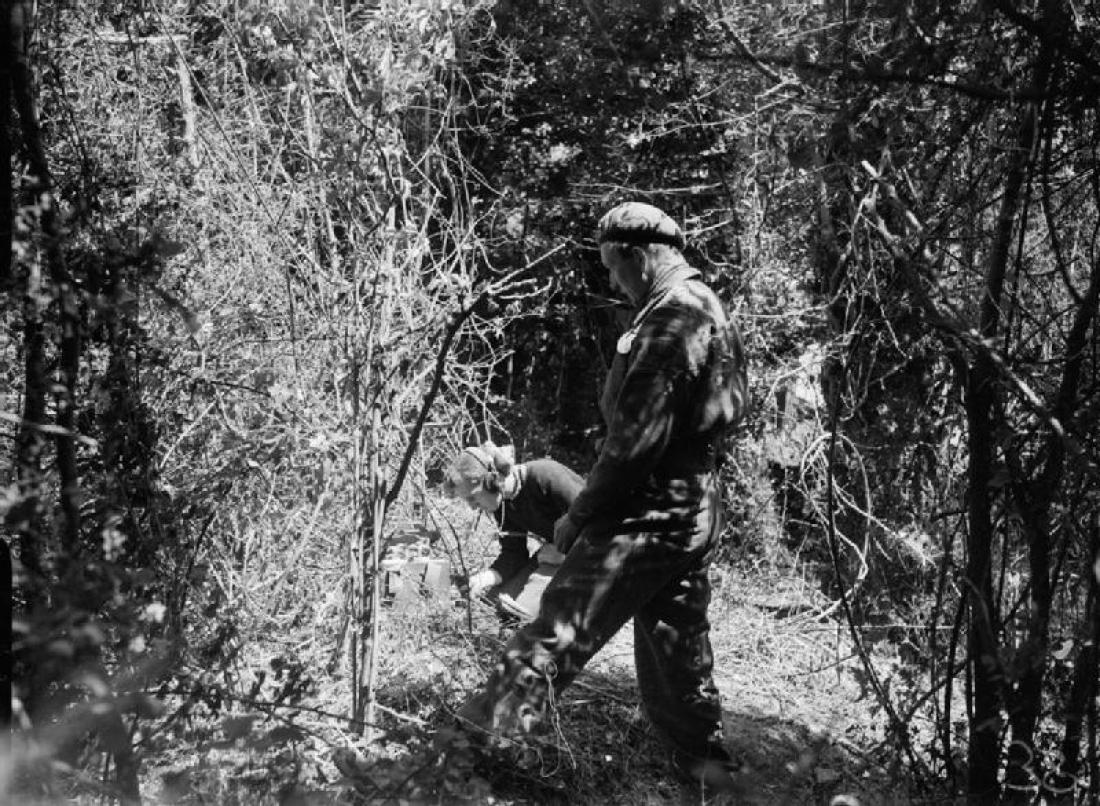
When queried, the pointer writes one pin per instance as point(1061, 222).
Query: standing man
point(640, 535)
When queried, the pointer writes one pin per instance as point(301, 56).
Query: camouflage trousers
point(653, 568)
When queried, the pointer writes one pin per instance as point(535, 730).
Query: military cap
point(638, 224)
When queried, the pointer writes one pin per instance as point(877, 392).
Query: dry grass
point(798, 713)
point(798, 716)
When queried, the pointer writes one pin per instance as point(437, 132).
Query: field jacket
point(676, 386)
point(546, 491)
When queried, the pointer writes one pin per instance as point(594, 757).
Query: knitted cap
point(638, 224)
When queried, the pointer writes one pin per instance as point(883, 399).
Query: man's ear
point(631, 253)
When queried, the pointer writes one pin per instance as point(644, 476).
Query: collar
point(666, 281)
point(519, 473)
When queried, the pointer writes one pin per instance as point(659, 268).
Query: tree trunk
point(985, 666)
point(29, 442)
point(6, 194)
point(1024, 763)
point(43, 198)
point(985, 713)
point(1084, 689)
point(1032, 664)
point(5, 653)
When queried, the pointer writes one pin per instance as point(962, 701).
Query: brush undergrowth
point(269, 721)
point(803, 726)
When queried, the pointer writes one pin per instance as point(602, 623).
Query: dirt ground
point(803, 728)
point(800, 718)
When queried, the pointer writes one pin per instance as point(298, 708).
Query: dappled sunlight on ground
point(801, 724)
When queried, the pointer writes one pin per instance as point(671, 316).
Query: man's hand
point(483, 580)
point(565, 533)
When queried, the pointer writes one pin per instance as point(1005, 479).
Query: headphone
point(491, 480)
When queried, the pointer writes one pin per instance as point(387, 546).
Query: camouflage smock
point(676, 386)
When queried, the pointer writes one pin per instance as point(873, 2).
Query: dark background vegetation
point(266, 265)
